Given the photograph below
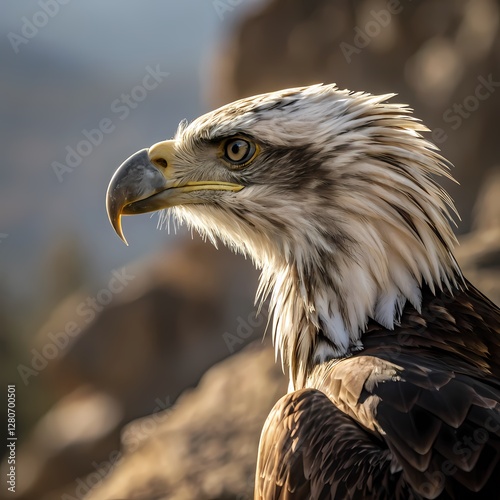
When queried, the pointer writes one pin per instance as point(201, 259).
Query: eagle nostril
point(160, 162)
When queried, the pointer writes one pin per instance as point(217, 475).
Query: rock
point(206, 446)
point(479, 250)
point(182, 311)
point(430, 53)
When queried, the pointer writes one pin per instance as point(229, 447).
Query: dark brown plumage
point(425, 396)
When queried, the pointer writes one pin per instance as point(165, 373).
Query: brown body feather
point(416, 414)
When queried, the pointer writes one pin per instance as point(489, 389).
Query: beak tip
point(115, 218)
point(122, 237)
point(117, 226)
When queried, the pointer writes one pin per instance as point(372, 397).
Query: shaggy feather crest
point(339, 210)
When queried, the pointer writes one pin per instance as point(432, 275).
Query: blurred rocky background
point(110, 348)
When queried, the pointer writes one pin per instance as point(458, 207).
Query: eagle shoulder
point(307, 452)
point(416, 414)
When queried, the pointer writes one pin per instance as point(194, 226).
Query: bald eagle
point(393, 356)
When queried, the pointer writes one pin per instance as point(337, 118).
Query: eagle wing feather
point(423, 419)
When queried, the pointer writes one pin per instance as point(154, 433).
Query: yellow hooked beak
point(143, 183)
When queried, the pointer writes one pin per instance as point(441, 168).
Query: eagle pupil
point(237, 151)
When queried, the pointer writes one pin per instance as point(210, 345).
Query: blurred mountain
point(125, 350)
point(36, 134)
point(68, 77)
point(442, 58)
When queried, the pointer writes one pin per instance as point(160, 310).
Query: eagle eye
point(239, 151)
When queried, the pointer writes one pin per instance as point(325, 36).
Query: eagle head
point(331, 192)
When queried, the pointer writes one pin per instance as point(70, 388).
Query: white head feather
point(340, 211)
